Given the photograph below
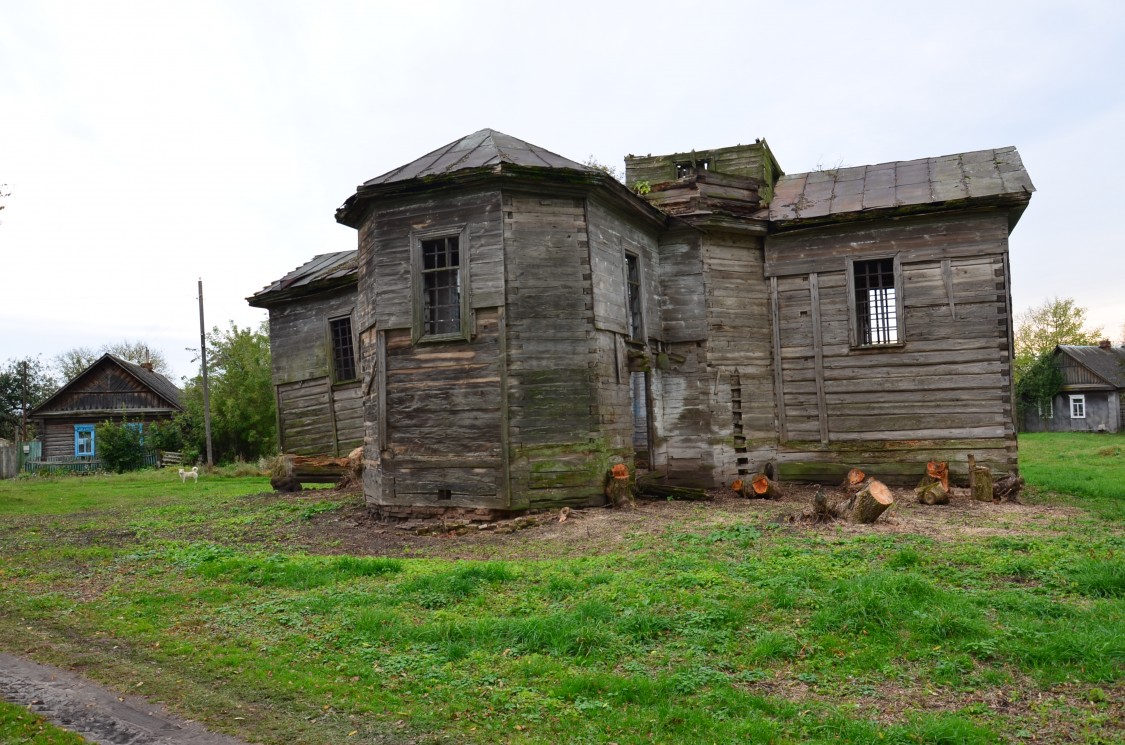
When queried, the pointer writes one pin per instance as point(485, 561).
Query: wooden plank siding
point(946, 381)
point(568, 387)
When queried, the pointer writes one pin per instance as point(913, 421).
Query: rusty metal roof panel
point(980, 174)
point(321, 269)
point(478, 150)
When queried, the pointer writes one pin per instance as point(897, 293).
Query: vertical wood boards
point(610, 237)
point(818, 356)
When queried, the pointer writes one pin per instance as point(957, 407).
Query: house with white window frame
point(1092, 396)
point(526, 321)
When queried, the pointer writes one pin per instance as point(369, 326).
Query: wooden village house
point(1092, 397)
point(525, 321)
point(111, 389)
point(313, 348)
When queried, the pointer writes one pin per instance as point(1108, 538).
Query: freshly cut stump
point(763, 487)
point(871, 502)
point(939, 470)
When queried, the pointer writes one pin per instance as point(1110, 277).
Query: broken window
point(877, 306)
point(633, 296)
point(343, 349)
point(440, 308)
point(692, 167)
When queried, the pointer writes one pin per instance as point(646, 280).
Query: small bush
point(120, 445)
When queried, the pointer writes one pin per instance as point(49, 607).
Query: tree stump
point(617, 486)
point(870, 502)
point(980, 483)
point(286, 483)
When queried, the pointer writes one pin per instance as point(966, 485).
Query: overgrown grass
point(746, 632)
point(18, 726)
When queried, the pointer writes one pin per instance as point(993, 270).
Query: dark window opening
point(633, 296)
point(441, 286)
point(444, 495)
point(343, 349)
point(689, 168)
point(876, 308)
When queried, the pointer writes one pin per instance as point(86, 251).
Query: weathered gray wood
point(778, 376)
point(818, 356)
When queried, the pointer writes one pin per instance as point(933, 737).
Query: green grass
point(1086, 467)
point(747, 630)
point(18, 726)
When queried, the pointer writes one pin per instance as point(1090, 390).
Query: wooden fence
point(9, 460)
point(56, 464)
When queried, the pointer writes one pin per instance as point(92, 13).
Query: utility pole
point(206, 393)
point(23, 406)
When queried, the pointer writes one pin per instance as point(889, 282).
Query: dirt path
point(95, 712)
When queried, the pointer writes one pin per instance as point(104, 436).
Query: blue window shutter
point(77, 443)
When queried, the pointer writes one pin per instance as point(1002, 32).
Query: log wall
point(943, 392)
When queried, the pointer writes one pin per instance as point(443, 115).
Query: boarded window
point(690, 168)
point(876, 302)
point(1078, 407)
point(633, 297)
point(343, 349)
point(83, 440)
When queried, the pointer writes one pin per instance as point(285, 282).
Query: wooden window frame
point(1080, 399)
point(417, 275)
point(332, 320)
point(631, 330)
point(79, 428)
point(1046, 409)
point(855, 337)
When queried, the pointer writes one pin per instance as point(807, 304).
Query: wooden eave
point(1105, 385)
point(505, 175)
point(1014, 204)
point(99, 413)
point(319, 287)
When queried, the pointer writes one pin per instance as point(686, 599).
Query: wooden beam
point(818, 356)
point(947, 276)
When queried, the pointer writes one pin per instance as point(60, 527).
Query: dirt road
point(95, 712)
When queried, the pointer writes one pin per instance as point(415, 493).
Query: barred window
point(439, 264)
point(343, 349)
point(876, 302)
point(633, 297)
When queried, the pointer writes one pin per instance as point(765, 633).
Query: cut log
point(855, 477)
point(939, 471)
point(980, 483)
point(972, 470)
point(286, 483)
point(764, 487)
point(650, 486)
point(1008, 488)
point(871, 502)
point(930, 491)
point(617, 487)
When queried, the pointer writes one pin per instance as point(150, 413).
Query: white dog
point(193, 474)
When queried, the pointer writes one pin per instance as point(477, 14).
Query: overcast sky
point(149, 144)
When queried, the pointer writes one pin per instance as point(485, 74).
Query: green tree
point(1039, 383)
point(73, 361)
point(243, 418)
point(24, 384)
point(1040, 329)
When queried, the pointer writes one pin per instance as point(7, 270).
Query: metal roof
point(324, 269)
point(478, 150)
point(1107, 364)
point(904, 183)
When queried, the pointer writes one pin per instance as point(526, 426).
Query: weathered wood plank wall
point(941, 393)
point(432, 411)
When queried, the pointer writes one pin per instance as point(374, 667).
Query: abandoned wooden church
point(524, 322)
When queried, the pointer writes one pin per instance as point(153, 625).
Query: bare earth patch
point(593, 531)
